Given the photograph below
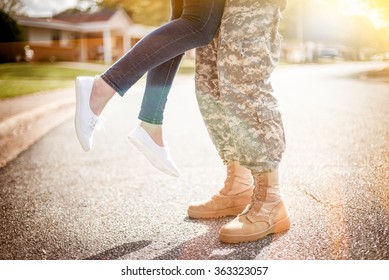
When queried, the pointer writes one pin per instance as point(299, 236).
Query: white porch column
point(107, 41)
point(83, 48)
point(126, 42)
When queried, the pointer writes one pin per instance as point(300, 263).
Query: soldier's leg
point(208, 98)
point(248, 53)
point(236, 192)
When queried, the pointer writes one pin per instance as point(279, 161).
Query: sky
point(46, 7)
point(51, 7)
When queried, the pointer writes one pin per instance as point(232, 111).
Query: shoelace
point(97, 123)
point(254, 198)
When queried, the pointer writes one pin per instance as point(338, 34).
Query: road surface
point(58, 202)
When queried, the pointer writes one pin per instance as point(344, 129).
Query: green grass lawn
point(187, 67)
point(18, 79)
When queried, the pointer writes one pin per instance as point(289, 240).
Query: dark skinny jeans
point(194, 23)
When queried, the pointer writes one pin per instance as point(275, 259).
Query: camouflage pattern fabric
point(233, 89)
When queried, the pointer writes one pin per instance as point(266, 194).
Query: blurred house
point(79, 36)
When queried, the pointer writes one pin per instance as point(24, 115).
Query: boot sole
point(282, 225)
point(216, 214)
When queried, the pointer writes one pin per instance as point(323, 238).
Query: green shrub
point(12, 39)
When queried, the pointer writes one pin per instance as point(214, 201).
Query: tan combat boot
point(266, 213)
point(231, 200)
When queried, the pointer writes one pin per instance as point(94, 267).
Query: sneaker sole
point(216, 214)
point(281, 226)
point(77, 117)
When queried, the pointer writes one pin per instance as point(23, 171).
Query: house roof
point(80, 21)
point(83, 17)
point(45, 23)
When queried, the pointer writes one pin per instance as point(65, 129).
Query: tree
point(11, 7)
point(323, 22)
point(382, 6)
point(309, 20)
point(360, 35)
point(86, 5)
point(11, 39)
point(147, 12)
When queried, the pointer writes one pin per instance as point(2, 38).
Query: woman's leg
point(197, 26)
point(148, 138)
point(159, 81)
point(158, 84)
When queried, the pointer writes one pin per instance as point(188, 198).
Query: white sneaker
point(158, 156)
point(85, 119)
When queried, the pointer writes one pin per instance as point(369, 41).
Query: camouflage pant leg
point(247, 52)
point(247, 56)
point(208, 98)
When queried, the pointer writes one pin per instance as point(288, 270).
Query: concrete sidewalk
point(24, 120)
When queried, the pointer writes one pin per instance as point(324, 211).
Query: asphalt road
point(58, 202)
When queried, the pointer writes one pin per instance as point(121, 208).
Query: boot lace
point(257, 195)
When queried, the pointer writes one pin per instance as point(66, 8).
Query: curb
point(9, 124)
point(20, 131)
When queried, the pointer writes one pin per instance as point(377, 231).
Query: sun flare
point(361, 7)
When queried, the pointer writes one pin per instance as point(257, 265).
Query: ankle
point(101, 94)
point(154, 131)
point(273, 194)
point(239, 179)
